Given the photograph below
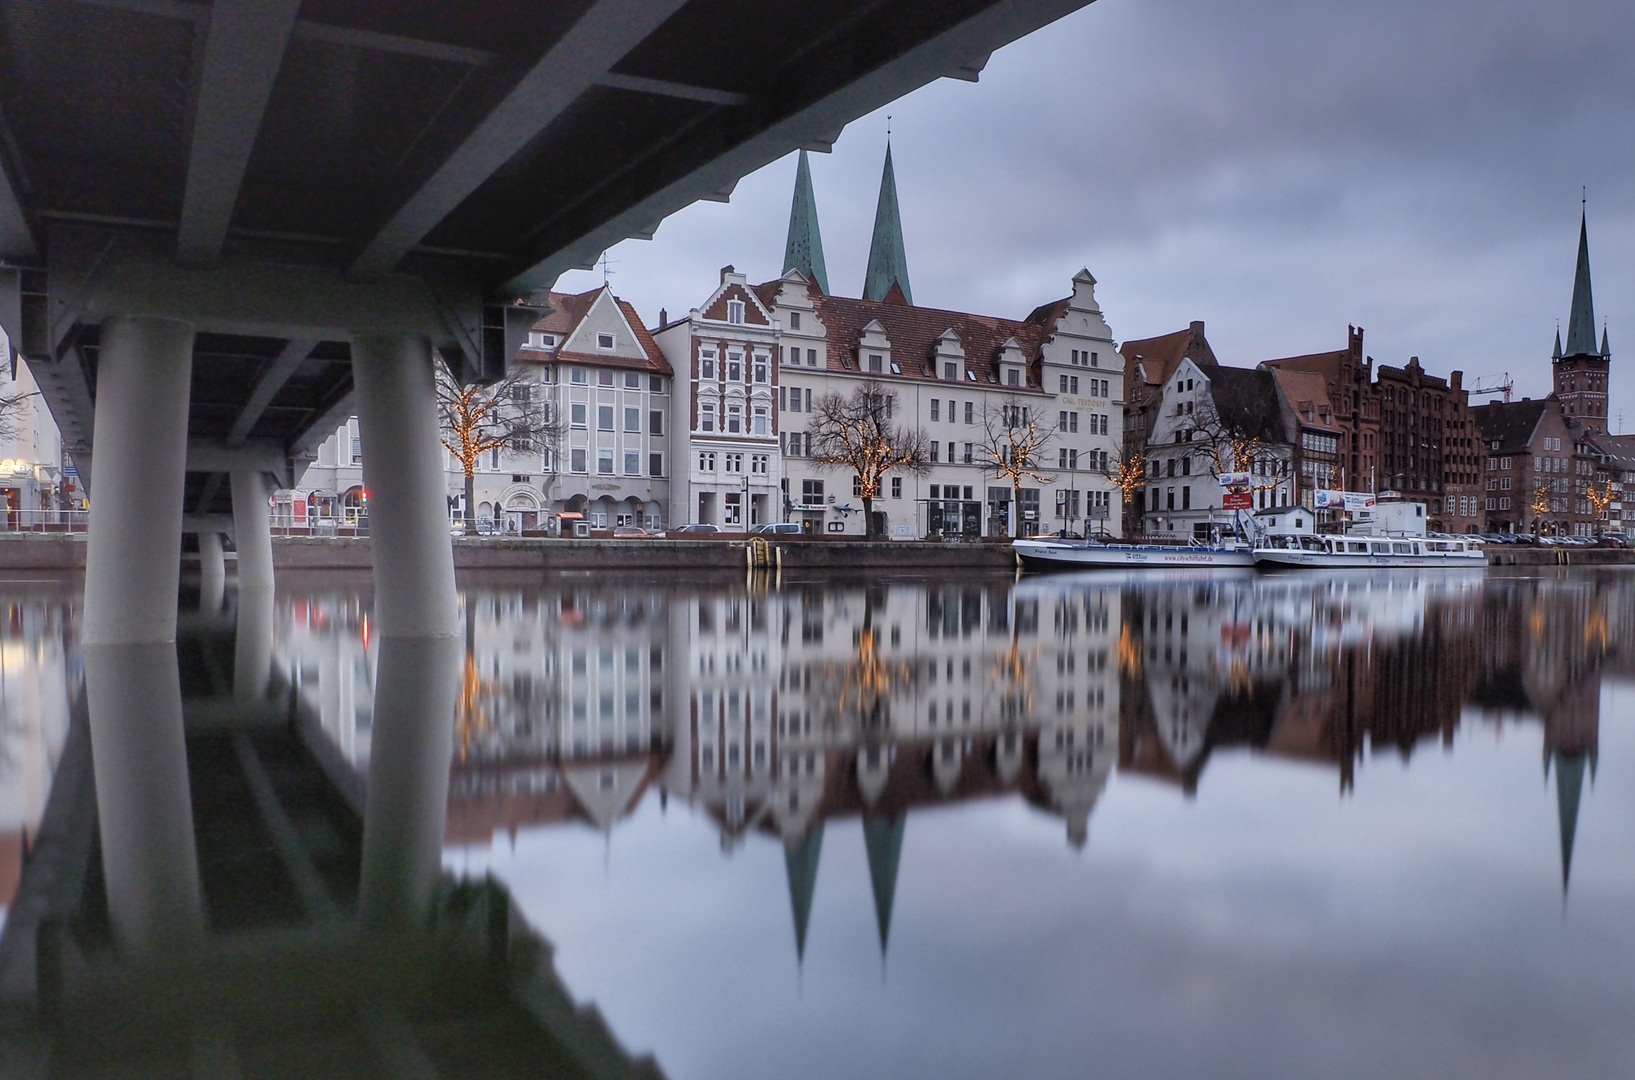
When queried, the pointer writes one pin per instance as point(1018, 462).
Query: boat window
point(1402, 549)
point(1360, 548)
point(1382, 549)
point(1311, 543)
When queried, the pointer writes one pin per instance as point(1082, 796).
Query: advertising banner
point(1237, 491)
point(1351, 502)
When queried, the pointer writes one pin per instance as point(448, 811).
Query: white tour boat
point(1056, 554)
point(1393, 535)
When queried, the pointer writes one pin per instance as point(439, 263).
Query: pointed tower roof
point(883, 838)
point(1604, 350)
point(803, 250)
point(1556, 352)
point(888, 264)
point(1569, 789)
point(801, 861)
point(1581, 321)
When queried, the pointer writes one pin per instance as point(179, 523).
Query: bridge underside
point(283, 175)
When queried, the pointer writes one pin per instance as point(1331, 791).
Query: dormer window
point(950, 372)
point(1013, 377)
point(970, 376)
point(877, 363)
point(735, 312)
point(604, 341)
point(537, 340)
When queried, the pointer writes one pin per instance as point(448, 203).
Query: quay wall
point(66, 551)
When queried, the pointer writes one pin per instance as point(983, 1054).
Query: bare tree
point(1013, 446)
point(476, 419)
point(857, 432)
point(1600, 496)
point(1127, 469)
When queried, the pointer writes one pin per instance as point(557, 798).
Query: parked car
point(629, 532)
point(699, 527)
point(777, 528)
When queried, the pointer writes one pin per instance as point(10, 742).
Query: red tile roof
point(569, 310)
point(1160, 356)
point(913, 333)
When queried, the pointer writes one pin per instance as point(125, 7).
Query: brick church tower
point(1581, 369)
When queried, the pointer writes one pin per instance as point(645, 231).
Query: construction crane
point(1494, 384)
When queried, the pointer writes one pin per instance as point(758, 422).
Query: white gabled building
point(724, 440)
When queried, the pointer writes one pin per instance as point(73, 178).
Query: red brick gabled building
point(1349, 378)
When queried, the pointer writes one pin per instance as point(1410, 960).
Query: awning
point(571, 515)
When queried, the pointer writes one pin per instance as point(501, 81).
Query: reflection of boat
point(1089, 554)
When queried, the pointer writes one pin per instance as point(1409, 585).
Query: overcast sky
point(1278, 169)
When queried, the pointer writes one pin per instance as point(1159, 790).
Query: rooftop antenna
point(607, 263)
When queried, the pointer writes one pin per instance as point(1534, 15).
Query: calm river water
point(1127, 826)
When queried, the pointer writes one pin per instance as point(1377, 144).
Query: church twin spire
point(1581, 320)
point(887, 274)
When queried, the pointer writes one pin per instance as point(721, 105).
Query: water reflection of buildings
point(37, 668)
point(777, 711)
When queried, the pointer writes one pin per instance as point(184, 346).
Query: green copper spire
point(1605, 352)
point(1581, 322)
point(803, 250)
point(1569, 789)
point(888, 264)
point(801, 861)
point(1556, 353)
point(883, 838)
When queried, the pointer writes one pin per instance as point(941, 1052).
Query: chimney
point(664, 318)
point(725, 270)
point(1198, 328)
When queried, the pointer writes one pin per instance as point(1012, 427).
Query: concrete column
point(252, 531)
point(212, 573)
point(416, 684)
point(144, 809)
point(403, 472)
point(133, 558)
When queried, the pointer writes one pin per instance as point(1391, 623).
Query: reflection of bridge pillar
point(252, 645)
point(144, 811)
point(416, 682)
point(212, 572)
point(403, 472)
point(133, 558)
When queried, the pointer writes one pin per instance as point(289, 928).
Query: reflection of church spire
point(883, 837)
point(1569, 789)
point(803, 249)
point(801, 860)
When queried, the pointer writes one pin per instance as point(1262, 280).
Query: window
point(759, 464)
point(970, 412)
point(576, 460)
point(735, 368)
point(655, 464)
point(576, 414)
point(936, 407)
point(735, 419)
point(1504, 483)
point(876, 362)
point(1504, 463)
point(735, 311)
point(1063, 387)
point(794, 320)
point(950, 372)
point(604, 462)
point(811, 491)
point(1013, 377)
point(706, 365)
point(967, 458)
point(857, 486)
point(1504, 504)
point(632, 463)
point(357, 450)
point(760, 369)
point(604, 418)
point(896, 487)
point(633, 420)
point(655, 422)
point(604, 378)
point(1072, 384)
point(734, 509)
point(1061, 420)
point(735, 463)
point(1095, 360)
point(811, 358)
point(604, 341)
point(706, 461)
point(577, 376)
point(763, 422)
point(935, 452)
point(706, 417)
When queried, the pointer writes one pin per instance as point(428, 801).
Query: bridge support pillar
point(252, 533)
point(403, 473)
point(212, 573)
point(418, 620)
point(133, 554)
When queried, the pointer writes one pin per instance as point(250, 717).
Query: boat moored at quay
point(1061, 554)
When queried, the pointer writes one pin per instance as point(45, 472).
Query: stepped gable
point(1509, 423)
point(913, 333)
